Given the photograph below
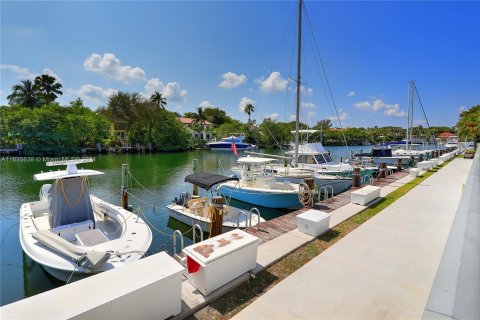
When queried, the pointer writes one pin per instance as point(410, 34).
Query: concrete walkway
point(384, 269)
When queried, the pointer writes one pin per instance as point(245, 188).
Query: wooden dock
point(274, 228)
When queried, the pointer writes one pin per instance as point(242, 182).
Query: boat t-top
point(192, 210)
point(72, 233)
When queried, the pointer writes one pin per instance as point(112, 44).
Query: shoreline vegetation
point(45, 128)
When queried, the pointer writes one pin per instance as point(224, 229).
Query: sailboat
point(390, 152)
point(310, 160)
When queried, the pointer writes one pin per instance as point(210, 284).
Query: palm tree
point(199, 118)
point(48, 87)
point(25, 94)
point(158, 100)
point(249, 108)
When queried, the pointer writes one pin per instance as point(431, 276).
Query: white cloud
point(19, 72)
point(394, 110)
point(363, 105)
point(293, 117)
point(174, 93)
point(351, 94)
point(391, 110)
point(342, 116)
point(171, 91)
point(232, 80)
point(305, 91)
point(244, 102)
point(205, 104)
point(308, 105)
point(91, 93)
point(153, 85)
point(274, 82)
point(111, 66)
point(461, 109)
point(310, 114)
point(274, 116)
point(51, 73)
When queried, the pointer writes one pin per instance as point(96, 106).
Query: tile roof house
point(193, 128)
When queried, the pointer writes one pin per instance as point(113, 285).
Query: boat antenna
point(297, 115)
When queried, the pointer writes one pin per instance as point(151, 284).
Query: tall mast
point(408, 115)
point(297, 116)
point(411, 110)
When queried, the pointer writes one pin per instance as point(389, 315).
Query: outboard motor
point(43, 195)
point(182, 199)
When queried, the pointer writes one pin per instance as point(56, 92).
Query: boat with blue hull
point(278, 199)
point(225, 144)
point(259, 187)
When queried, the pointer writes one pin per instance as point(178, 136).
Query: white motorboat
point(72, 233)
point(198, 210)
point(260, 187)
point(225, 144)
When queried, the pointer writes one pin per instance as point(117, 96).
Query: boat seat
point(39, 208)
point(69, 231)
point(90, 238)
point(42, 222)
point(191, 202)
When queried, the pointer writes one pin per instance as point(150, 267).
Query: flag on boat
point(234, 148)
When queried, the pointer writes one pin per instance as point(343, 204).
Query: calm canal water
point(162, 174)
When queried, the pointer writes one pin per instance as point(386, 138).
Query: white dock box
point(313, 222)
point(215, 262)
point(425, 165)
point(414, 172)
point(364, 195)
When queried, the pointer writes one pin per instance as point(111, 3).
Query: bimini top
point(309, 148)
point(259, 160)
point(70, 172)
point(206, 180)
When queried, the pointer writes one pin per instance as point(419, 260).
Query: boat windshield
point(306, 159)
point(327, 157)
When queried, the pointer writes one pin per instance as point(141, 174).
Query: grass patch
point(239, 298)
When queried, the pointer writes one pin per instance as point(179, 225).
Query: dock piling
point(356, 177)
point(216, 216)
point(125, 186)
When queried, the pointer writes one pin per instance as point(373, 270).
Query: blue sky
point(228, 53)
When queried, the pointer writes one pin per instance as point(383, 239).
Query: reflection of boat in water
point(259, 187)
point(199, 210)
point(71, 233)
point(225, 144)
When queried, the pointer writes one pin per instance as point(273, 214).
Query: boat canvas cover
point(309, 148)
point(69, 202)
point(206, 180)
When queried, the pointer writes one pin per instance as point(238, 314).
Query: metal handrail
point(175, 241)
point(197, 226)
point(331, 188)
point(367, 177)
point(246, 219)
point(259, 217)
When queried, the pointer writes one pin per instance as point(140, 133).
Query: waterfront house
point(194, 128)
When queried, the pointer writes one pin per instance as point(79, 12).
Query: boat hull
point(230, 220)
point(275, 200)
point(227, 146)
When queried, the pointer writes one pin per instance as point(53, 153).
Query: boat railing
point(257, 212)
point(197, 226)
point(174, 236)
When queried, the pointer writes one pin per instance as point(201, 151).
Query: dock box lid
point(313, 215)
point(212, 249)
